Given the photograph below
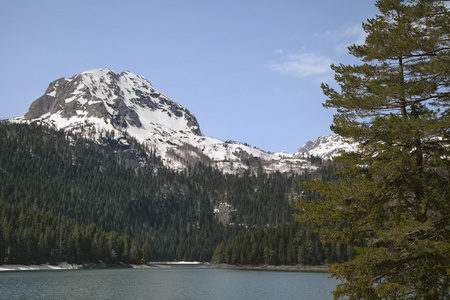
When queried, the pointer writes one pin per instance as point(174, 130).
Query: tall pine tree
point(392, 201)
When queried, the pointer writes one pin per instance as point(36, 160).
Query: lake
point(178, 282)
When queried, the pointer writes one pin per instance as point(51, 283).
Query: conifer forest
point(67, 198)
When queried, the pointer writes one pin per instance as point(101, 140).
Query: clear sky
point(249, 70)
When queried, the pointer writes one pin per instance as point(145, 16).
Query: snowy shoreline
point(156, 265)
point(67, 266)
point(60, 266)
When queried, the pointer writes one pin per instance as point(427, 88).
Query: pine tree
point(392, 200)
point(147, 255)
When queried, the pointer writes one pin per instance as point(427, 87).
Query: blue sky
point(249, 70)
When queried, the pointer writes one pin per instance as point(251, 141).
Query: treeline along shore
point(299, 267)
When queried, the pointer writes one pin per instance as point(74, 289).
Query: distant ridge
point(327, 146)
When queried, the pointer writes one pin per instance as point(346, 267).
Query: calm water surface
point(180, 282)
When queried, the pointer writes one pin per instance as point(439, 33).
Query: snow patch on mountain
point(327, 146)
point(102, 102)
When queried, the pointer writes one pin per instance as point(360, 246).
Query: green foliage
point(392, 200)
point(38, 237)
point(71, 177)
point(285, 244)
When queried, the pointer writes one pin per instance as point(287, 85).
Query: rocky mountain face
point(120, 100)
point(102, 103)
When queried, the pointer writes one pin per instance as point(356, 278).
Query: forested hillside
point(38, 237)
point(184, 216)
point(286, 244)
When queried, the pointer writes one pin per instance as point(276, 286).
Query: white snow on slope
point(327, 146)
point(93, 99)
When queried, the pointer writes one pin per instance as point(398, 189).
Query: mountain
point(108, 122)
point(326, 146)
point(183, 215)
point(101, 104)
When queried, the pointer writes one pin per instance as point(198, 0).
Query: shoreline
point(67, 266)
point(157, 265)
point(297, 268)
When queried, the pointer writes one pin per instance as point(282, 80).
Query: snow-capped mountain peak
point(121, 100)
point(99, 102)
point(102, 102)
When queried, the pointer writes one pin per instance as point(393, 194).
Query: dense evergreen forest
point(286, 244)
point(120, 188)
point(38, 237)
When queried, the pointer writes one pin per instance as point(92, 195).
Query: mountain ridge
point(327, 146)
point(102, 102)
